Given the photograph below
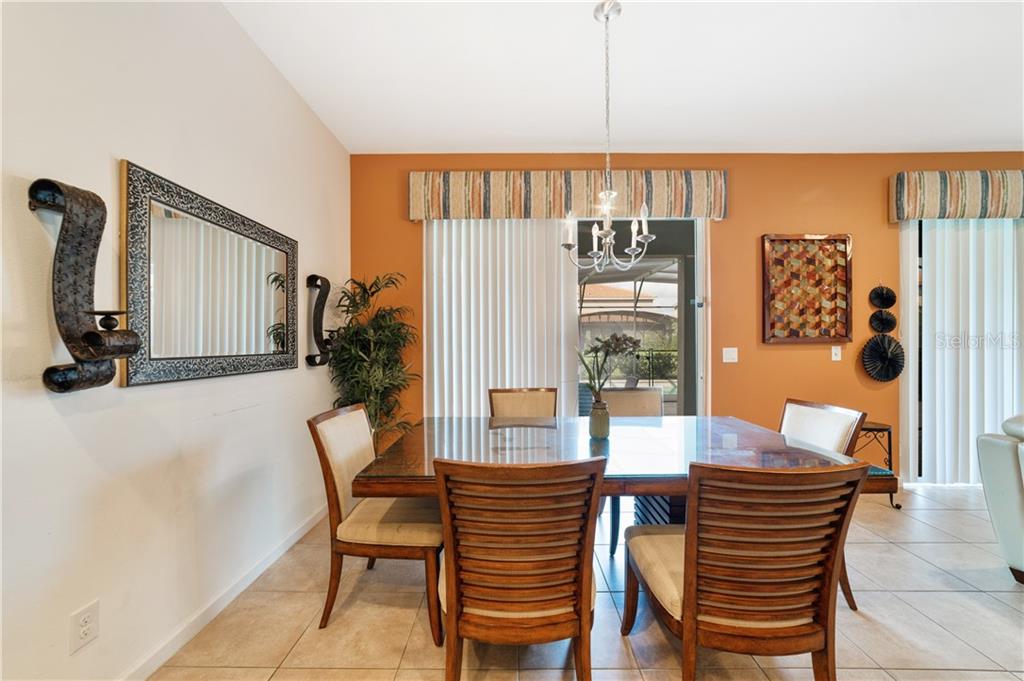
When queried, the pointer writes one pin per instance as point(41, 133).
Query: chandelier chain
point(607, 107)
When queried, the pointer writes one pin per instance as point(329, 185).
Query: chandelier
point(602, 248)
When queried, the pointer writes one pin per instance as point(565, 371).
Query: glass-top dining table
point(646, 455)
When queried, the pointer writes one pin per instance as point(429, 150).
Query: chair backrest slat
point(518, 541)
point(523, 402)
point(633, 401)
point(762, 547)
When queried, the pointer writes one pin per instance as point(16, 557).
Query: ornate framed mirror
point(210, 292)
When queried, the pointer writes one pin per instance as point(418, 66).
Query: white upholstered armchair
point(1001, 459)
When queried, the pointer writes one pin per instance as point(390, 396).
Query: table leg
point(616, 507)
point(888, 464)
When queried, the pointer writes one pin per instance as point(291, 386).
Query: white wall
point(158, 500)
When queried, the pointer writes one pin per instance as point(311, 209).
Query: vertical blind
point(500, 312)
point(971, 327)
point(208, 290)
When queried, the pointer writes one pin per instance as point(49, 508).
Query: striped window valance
point(544, 194)
point(956, 194)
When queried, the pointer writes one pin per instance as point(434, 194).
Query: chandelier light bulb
point(569, 231)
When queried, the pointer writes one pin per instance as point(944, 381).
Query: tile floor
point(937, 603)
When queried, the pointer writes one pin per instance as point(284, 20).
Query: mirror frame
point(138, 188)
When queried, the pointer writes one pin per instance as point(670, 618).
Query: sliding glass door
point(964, 340)
point(500, 311)
point(655, 301)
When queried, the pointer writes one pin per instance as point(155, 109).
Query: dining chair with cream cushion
point(833, 428)
point(634, 401)
point(518, 559)
point(523, 402)
point(404, 528)
point(755, 569)
point(823, 425)
point(629, 402)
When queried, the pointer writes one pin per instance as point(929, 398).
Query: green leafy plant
point(277, 333)
point(598, 371)
point(365, 359)
point(277, 281)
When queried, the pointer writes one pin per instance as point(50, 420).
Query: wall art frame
point(807, 285)
point(138, 188)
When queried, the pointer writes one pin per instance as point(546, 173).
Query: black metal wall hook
point(323, 343)
point(74, 274)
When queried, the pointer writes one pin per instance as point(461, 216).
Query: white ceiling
point(686, 77)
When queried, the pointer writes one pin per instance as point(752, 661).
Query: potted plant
point(365, 359)
point(277, 333)
point(598, 373)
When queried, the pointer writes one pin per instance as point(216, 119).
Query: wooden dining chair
point(755, 569)
point(829, 427)
point(629, 402)
point(633, 401)
point(823, 425)
point(373, 528)
point(518, 559)
point(523, 402)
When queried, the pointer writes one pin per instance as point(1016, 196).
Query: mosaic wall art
point(806, 283)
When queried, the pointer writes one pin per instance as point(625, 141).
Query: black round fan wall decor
point(883, 358)
point(882, 321)
point(882, 297)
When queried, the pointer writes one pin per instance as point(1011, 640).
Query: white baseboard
point(199, 619)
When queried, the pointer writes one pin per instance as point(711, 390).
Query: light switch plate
point(837, 353)
point(730, 355)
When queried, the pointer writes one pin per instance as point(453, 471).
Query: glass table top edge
point(638, 449)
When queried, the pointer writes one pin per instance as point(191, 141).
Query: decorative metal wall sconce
point(323, 343)
point(74, 274)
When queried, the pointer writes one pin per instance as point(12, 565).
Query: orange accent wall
point(767, 193)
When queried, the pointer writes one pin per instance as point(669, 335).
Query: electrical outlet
point(837, 353)
point(85, 626)
point(730, 355)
